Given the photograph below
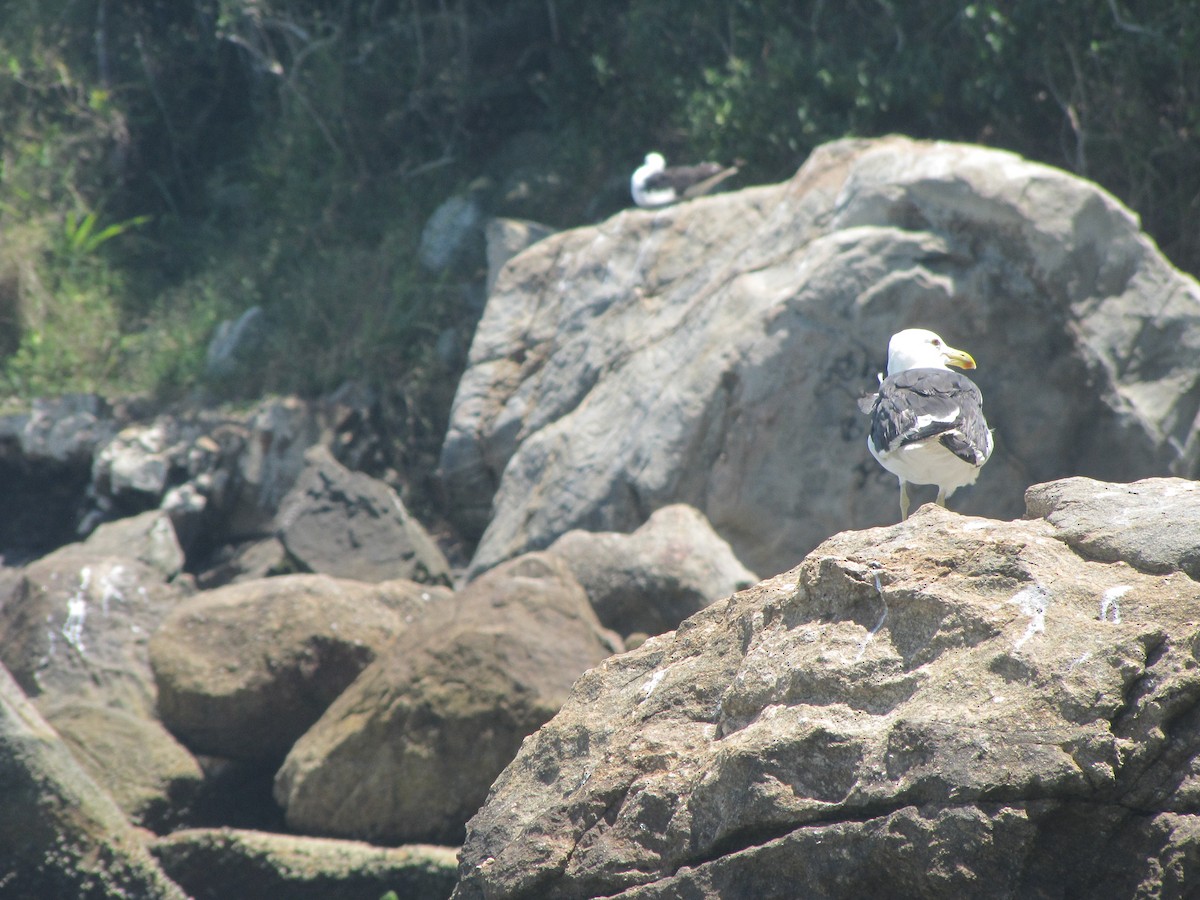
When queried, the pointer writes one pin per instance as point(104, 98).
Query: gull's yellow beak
point(960, 358)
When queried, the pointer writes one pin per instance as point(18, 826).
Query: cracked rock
point(947, 707)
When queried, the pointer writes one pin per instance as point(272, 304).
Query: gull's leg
point(903, 499)
point(941, 497)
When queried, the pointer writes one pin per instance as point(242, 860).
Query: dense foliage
point(165, 164)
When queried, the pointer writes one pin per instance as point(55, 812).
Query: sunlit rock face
point(711, 353)
point(949, 707)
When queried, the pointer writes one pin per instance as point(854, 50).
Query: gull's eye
point(936, 342)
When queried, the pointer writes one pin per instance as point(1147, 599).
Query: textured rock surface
point(244, 670)
point(653, 579)
point(1154, 524)
point(711, 353)
point(152, 778)
point(61, 835)
point(938, 708)
point(227, 864)
point(349, 525)
point(408, 751)
point(508, 237)
point(78, 625)
point(149, 538)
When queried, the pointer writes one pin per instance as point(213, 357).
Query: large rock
point(1157, 530)
point(408, 751)
point(149, 774)
point(244, 670)
point(78, 624)
point(61, 835)
point(350, 525)
point(948, 707)
point(74, 633)
point(228, 864)
point(653, 579)
point(149, 538)
point(711, 353)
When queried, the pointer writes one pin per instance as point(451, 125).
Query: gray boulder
point(712, 353)
point(947, 707)
point(408, 751)
point(149, 538)
point(61, 429)
point(350, 525)
point(1154, 524)
point(78, 624)
point(231, 864)
point(452, 239)
point(74, 633)
point(244, 670)
point(276, 436)
point(61, 835)
point(653, 579)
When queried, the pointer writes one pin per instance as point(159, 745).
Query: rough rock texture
point(61, 835)
point(78, 625)
point(74, 634)
point(244, 670)
point(149, 538)
point(408, 751)
point(653, 579)
point(711, 353)
point(134, 758)
point(1154, 524)
point(948, 707)
point(508, 237)
point(350, 525)
point(226, 864)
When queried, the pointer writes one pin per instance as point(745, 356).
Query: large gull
point(927, 424)
point(654, 184)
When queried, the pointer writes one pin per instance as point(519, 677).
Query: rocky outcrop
point(950, 706)
point(408, 751)
point(219, 475)
point(350, 525)
point(940, 708)
point(1152, 526)
point(61, 835)
point(711, 353)
point(245, 670)
point(653, 579)
point(230, 864)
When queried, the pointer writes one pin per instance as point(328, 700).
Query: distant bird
point(653, 184)
point(927, 424)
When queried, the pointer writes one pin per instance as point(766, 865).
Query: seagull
point(927, 424)
point(653, 184)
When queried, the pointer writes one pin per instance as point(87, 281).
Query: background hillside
point(167, 165)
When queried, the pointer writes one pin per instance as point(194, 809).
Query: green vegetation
point(166, 165)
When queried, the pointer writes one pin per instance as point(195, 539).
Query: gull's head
point(654, 162)
point(916, 348)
